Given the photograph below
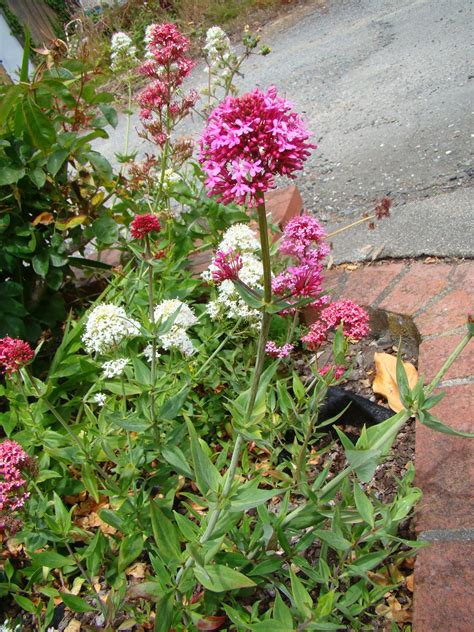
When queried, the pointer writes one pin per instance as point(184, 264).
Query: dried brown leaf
point(385, 382)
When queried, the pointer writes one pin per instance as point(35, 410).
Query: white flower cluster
point(220, 56)
point(123, 55)
point(99, 399)
point(170, 178)
point(114, 368)
point(176, 336)
point(228, 303)
point(9, 626)
point(106, 327)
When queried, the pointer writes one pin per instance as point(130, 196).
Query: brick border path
point(429, 302)
point(436, 297)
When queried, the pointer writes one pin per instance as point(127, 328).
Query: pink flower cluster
point(13, 461)
point(226, 265)
point(354, 319)
point(303, 239)
point(338, 370)
point(14, 354)
point(274, 351)
point(247, 142)
point(166, 66)
point(143, 225)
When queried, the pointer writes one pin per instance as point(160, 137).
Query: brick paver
point(446, 314)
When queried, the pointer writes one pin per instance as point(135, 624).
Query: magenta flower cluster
point(166, 66)
point(226, 265)
point(337, 369)
point(354, 319)
point(303, 239)
point(14, 354)
point(13, 462)
point(274, 351)
point(143, 225)
point(247, 142)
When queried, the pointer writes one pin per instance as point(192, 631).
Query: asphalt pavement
point(386, 86)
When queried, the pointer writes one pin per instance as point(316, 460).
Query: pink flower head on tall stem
point(14, 354)
point(143, 225)
point(303, 238)
point(226, 265)
point(247, 142)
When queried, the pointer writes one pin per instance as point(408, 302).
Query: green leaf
point(219, 578)
point(75, 603)
point(249, 497)
point(282, 613)
point(324, 607)
point(164, 613)
point(402, 382)
point(110, 114)
point(40, 128)
point(105, 229)
point(334, 540)
point(40, 263)
point(7, 101)
point(255, 302)
point(51, 559)
point(100, 164)
point(38, 177)
point(207, 476)
point(90, 481)
point(367, 562)
point(301, 597)
point(173, 405)
point(111, 518)
point(25, 62)
point(439, 426)
point(363, 505)
point(56, 160)
point(62, 515)
point(298, 387)
point(10, 175)
point(130, 548)
point(25, 603)
point(363, 462)
point(175, 457)
point(164, 533)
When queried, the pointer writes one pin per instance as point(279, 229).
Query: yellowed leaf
point(71, 222)
point(73, 626)
point(136, 570)
point(43, 218)
point(385, 382)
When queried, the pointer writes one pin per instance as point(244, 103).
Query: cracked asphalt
point(386, 86)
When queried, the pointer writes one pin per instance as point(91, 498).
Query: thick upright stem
point(259, 362)
point(151, 315)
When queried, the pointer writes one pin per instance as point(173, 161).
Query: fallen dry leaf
point(409, 582)
point(43, 218)
point(136, 570)
point(385, 382)
point(211, 623)
point(73, 626)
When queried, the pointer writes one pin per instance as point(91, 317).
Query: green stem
point(259, 362)
point(446, 366)
point(129, 116)
point(88, 579)
point(151, 315)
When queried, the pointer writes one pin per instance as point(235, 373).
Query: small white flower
point(148, 353)
point(240, 237)
point(114, 368)
point(9, 626)
point(177, 338)
point(99, 399)
point(184, 315)
point(123, 54)
point(107, 325)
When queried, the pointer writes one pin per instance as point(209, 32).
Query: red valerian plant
point(14, 462)
point(354, 319)
point(247, 142)
point(143, 225)
point(167, 67)
point(14, 354)
point(226, 265)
